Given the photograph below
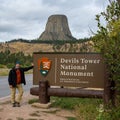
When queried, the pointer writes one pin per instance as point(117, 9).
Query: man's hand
point(32, 64)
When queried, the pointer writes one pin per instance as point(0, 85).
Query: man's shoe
point(17, 104)
point(14, 105)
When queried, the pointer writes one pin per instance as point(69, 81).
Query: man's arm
point(27, 68)
point(10, 78)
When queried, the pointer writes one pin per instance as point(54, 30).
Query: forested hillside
point(8, 59)
point(23, 50)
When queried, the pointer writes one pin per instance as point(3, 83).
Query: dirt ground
point(28, 112)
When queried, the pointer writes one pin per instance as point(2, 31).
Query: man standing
point(15, 79)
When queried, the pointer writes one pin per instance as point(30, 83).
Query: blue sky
point(27, 18)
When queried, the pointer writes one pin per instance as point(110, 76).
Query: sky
point(27, 19)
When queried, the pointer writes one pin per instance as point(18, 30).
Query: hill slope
point(29, 48)
point(26, 48)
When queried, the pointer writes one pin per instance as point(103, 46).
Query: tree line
point(9, 59)
point(55, 42)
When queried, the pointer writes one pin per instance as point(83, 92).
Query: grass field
point(4, 71)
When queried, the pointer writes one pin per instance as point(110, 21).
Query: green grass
point(86, 108)
point(31, 101)
point(71, 103)
point(4, 72)
point(71, 118)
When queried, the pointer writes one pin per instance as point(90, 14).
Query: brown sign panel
point(69, 69)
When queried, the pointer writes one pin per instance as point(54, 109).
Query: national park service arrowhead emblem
point(44, 65)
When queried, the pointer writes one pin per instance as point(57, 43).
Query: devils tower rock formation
point(57, 29)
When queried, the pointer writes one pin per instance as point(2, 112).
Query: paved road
point(4, 88)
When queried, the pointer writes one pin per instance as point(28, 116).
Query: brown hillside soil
point(27, 112)
point(29, 48)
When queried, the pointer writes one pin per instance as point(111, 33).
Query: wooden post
point(43, 89)
point(109, 91)
point(113, 93)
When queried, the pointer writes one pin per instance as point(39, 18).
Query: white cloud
point(27, 18)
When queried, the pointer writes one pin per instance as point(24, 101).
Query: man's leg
point(13, 92)
point(20, 94)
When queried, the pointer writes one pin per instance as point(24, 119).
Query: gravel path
point(27, 112)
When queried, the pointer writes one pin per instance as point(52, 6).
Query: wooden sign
point(69, 69)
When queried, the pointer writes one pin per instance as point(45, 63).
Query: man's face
point(17, 66)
